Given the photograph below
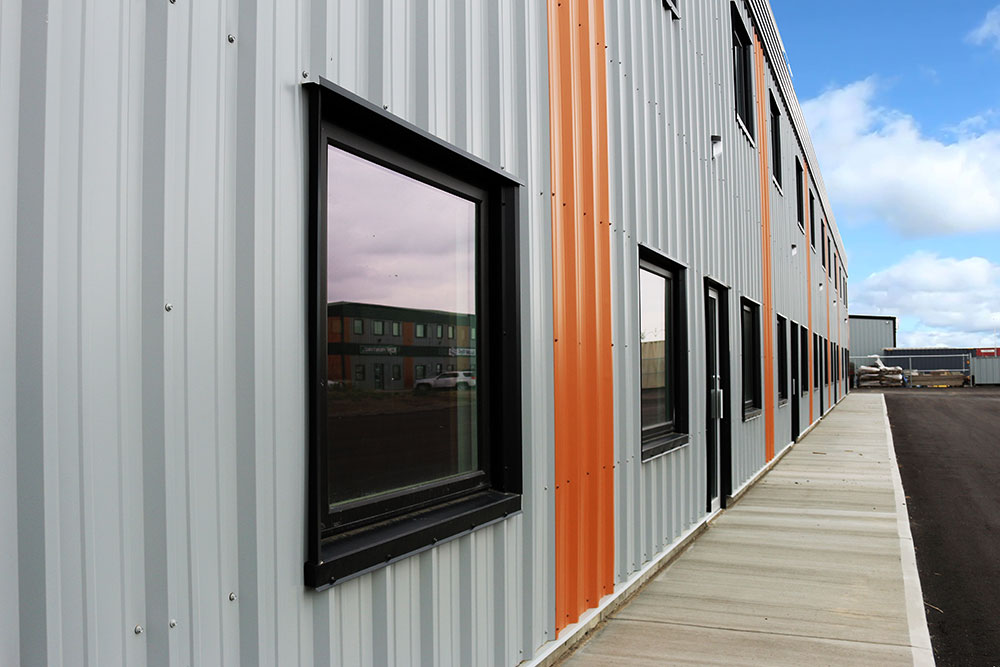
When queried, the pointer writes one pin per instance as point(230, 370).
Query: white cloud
point(988, 30)
point(954, 302)
point(879, 166)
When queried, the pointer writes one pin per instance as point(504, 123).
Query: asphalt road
point(948, 446)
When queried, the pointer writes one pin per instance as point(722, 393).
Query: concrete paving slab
point(807, 569)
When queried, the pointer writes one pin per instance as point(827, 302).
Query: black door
point(795, 393)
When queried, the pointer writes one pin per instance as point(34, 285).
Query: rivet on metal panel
point(172, 623)
point(137, 630)
point(232, 597)
point(168, 307)
point(231, 38)
point(305, 74)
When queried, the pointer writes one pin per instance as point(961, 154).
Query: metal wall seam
point(10, 71)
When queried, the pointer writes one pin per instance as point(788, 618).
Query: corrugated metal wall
point(153, 153)
point(986, 370)
point(871, 336)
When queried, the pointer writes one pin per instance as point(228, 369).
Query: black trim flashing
point(353, 554)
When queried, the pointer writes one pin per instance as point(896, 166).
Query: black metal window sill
point(749, 414)
point(663, 446)
point(366, 549)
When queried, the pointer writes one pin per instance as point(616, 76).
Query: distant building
point(871, 334)
point(387, 348)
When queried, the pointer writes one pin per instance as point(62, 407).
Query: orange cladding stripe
point(809, 291)
point(581, 302)
point(767, 296)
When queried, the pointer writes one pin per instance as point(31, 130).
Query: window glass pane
point(654, 351)
point(378, 327)
point(398, 243)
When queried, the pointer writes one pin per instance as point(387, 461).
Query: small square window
point(799, 195)
point(812, 220)
point(804, 362)
point(359, 326)
point(816, 361)
point(395, 328)
point(420, 330)
point(775, 141)
point(662, 355)
point(782, 348)
point(822, 240)
point(378, 327)
point(751, 349)
point(742, 71)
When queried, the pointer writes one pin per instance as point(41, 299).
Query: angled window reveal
point(775, 141)
point(812, 220)
point(781, 342)
point(751, 351)
point(662, 355)
point(435, 232)
point(799, 195)
point(673, 6)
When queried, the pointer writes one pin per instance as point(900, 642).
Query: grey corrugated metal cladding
point(156, 266)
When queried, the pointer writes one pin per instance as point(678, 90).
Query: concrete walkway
point(814, 566)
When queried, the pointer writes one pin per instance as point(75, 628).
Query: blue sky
point(903, 104)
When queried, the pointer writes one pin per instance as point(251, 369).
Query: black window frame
point(451, 332)
point(823, 239)
point(397, 329)
point(368, 534)
point(743, 71)
point(804, 362)
point(800, 212)
point(816, 361)
point(674, 7)
point(419, 330)
point(358, 327)
point(781, 343)
point(660, 440)
point(378, 327)
point(812, 219)
point(775, 123)
point(750, 356)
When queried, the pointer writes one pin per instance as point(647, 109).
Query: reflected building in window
point(389, 355)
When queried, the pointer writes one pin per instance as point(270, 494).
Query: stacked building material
point(880, 375)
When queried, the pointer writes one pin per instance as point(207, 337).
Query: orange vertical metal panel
point(809, 290)
point(767, 293)
point(581, 300)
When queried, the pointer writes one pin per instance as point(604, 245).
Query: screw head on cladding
point(168, 307)
point(232, 597)
point(137, 630)
point(231, 38)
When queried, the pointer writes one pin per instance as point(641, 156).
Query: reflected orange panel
point(767, 293)
point(581, 276)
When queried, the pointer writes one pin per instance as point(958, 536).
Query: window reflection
point(398, 251)
point(654, 293)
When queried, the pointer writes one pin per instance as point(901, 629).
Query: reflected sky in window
point(395, 241)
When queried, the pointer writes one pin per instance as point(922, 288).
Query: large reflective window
point(655, 352)
point(403, 251)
